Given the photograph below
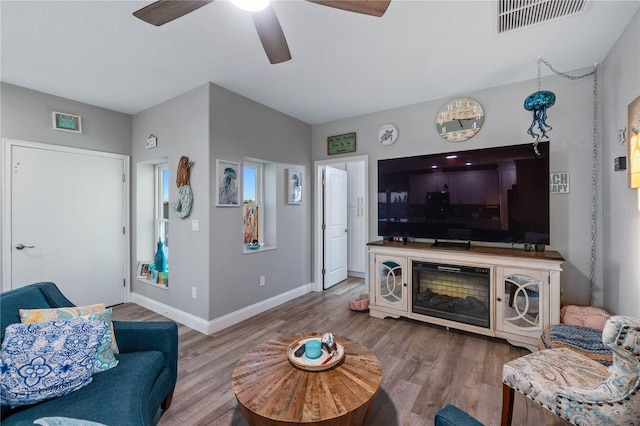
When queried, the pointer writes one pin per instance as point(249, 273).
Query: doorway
point(359, 208)
point(66, 220)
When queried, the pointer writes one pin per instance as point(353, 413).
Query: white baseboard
point(217, 324)
point(182, 317)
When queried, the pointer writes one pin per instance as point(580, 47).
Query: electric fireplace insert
point(452, 292)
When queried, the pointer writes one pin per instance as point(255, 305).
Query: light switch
point(195, 225)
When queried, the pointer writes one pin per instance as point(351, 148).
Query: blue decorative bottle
point(160, 261)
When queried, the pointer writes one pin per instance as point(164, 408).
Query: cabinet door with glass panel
point(391, 282)
point(522, 301)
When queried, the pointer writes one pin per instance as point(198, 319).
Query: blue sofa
point(131, 394)
point(453, 416)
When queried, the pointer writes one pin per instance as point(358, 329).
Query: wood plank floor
point(424, 367)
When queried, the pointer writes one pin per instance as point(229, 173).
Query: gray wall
point(26, 115)
point(620, 208)
point(506, 123)
point(243, 128)
point(181, 125)
point(206, 124)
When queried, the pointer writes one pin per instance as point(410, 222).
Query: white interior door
point(335, 229)
point(68, 208)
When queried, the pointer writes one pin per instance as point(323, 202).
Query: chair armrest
point(150, 336)
point(608, 392)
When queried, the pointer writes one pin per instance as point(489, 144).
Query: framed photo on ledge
point(143, 269)
point(227, 183)
point(294, 193)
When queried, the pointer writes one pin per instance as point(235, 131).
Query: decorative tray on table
point(326, 360)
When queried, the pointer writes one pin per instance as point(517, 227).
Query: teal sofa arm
point(453, 416)
point(150, 336)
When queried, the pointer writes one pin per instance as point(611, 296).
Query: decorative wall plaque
point(341, 144)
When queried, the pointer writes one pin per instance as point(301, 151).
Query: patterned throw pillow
point(105, 359)
point(49, 359)
point(55, 314)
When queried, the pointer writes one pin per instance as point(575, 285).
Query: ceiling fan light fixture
point(251, 5)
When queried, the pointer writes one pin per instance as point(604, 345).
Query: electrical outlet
point(262, 280)
point(193, 292)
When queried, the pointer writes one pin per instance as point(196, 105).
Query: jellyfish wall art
point(538, 103)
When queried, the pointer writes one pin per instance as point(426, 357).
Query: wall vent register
point(514, 15)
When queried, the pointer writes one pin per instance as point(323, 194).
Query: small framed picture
point(227, 183)
point(151, 142)
point(295, 187)
point(67, 122)
point(143, 269)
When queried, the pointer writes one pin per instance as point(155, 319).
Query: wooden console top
point(497, 251)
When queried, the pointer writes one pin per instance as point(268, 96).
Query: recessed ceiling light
point(451, 157)
point(468, 163)
point(434, 167)
point(251, 5)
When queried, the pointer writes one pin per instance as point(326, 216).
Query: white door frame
point(6, 205)
point(319, 166)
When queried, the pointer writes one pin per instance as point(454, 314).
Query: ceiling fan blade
point(163, 11)
point(271, 35)
point(366, 7)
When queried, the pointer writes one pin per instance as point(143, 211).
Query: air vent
point(517, 14)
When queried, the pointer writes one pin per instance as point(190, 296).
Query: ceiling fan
point(265, 20)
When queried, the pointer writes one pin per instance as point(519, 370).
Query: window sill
point(148, 282)
point(261, 249)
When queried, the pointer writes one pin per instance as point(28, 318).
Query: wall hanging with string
point(182, 208)
point(538, 102)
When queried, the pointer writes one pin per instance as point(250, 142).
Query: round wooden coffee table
point(272, 391)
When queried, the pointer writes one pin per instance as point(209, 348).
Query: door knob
point(22, 246)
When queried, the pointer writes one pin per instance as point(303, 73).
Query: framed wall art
point(294, 193)
point(67, 122)
point(634, 143)
point(227, 183)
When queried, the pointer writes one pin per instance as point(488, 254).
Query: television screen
point(493, 195)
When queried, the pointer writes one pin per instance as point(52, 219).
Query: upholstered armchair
point(577, 388)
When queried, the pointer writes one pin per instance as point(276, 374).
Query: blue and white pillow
point(39, 361)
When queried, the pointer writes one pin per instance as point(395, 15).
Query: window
point(162, 206)
point(259, 203)
point(253, 201)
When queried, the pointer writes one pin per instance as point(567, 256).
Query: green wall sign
point(341, 144)
point(67, 122)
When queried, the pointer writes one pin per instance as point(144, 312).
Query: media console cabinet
point(507, 293)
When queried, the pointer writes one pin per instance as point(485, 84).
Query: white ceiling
point(344, 64)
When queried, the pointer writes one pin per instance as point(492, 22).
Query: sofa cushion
point(46, 360)
point(113, 398)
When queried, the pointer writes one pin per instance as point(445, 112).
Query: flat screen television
point(483, 195)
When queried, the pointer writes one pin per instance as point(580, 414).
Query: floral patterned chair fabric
point(577, 388)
